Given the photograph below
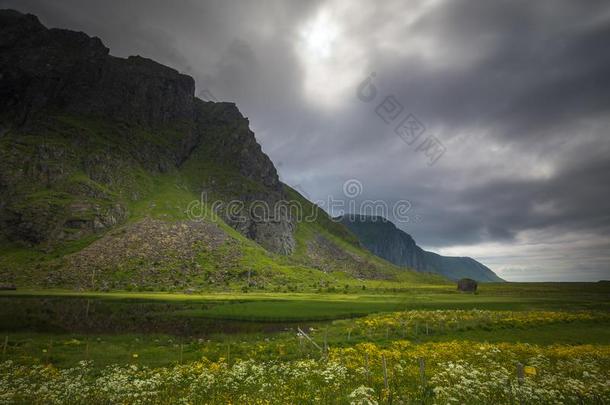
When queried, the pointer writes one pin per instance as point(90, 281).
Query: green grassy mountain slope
point(113, 176)
point(158, 244)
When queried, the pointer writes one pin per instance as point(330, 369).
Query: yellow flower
point(135, 355)
point(529, 370)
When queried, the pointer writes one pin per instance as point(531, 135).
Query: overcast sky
point(516, 94)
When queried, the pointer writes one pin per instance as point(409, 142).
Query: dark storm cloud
point(517, 91)
point(539, 66)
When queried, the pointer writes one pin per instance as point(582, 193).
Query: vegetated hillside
point(382, 238)
point(111, 174)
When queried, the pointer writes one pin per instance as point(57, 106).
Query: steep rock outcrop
point(228, 141)
point(69, 71)
point(253, 206)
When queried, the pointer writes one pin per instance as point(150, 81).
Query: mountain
point(113, 175)
point(382, 238)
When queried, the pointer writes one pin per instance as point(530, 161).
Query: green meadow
point(64, 327)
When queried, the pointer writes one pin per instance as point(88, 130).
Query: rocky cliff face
point(81, 130)
point(64, 70)
point(383, 239)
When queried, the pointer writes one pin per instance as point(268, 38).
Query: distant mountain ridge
point(385, 240)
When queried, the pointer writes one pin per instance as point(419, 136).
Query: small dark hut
point(467, 285)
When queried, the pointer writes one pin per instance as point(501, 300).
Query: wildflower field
point(499, 353)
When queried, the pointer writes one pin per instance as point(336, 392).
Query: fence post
point(300, 339)
point(422, 376)
point(520, 379)
point(366, 368)
point(520, 373)
point(385, 372)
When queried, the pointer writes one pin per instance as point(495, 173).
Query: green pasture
point(65, 327)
